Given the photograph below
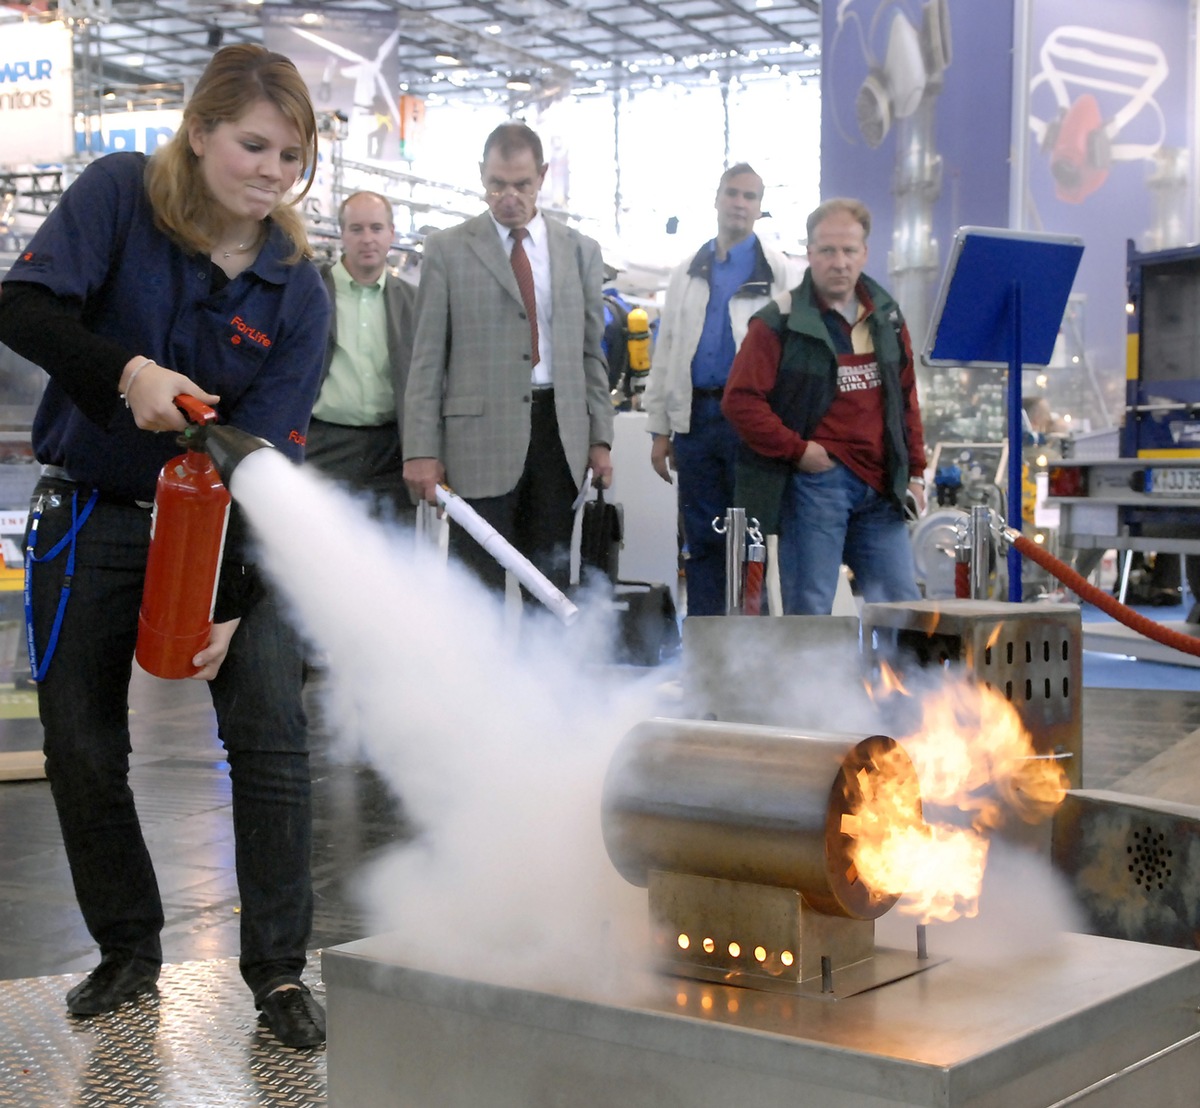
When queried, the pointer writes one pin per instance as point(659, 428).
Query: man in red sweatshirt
point(823, 396)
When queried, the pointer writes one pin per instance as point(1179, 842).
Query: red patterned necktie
point(524, 275)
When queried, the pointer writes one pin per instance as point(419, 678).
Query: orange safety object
point(187, 541)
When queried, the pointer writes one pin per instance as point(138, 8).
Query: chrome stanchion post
point(979, 530)
point(733, 527)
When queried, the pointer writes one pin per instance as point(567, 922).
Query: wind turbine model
point(366, 73)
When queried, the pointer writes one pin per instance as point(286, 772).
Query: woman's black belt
point(57, 473)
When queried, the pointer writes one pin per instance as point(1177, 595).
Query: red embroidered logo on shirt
point(246, 331)
point(295, 436)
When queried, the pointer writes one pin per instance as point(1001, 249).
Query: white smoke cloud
point(497, 746)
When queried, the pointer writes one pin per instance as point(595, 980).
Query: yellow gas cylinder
point(638, 326)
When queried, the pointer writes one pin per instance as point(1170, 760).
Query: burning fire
point(975, 763)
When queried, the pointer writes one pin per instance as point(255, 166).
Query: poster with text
point(36, 98)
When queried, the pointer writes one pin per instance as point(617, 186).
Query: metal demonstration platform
point(1110, 637)
point(1091, 1021)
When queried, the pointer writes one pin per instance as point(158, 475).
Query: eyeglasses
point(520, 188)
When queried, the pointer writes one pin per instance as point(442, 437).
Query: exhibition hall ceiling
point(151, 50)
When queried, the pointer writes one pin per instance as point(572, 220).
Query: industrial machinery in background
point(1137, 488)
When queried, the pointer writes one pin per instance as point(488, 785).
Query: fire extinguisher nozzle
point(227, 446)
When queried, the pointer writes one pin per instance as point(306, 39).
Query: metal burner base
point(1098, 1022)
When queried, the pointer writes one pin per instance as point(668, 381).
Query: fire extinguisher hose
point(1085, 590)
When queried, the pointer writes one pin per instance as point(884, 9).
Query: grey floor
point(198, 1043)
point(182, 787)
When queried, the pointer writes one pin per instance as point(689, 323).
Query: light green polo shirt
point(358, 390)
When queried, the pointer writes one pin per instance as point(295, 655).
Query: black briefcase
point(600, 538)
point(647, 626)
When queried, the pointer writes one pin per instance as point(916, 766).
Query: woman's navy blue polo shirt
point(257, 342)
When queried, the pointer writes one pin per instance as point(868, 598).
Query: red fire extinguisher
point(187, 540)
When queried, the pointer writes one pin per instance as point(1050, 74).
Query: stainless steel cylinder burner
point(740, 834)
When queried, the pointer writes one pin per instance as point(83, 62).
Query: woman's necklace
point(242, 247)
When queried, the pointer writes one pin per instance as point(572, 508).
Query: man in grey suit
point(354, 435)
point(508, 396)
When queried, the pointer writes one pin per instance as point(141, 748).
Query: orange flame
point(971, 753)
point(889, 682)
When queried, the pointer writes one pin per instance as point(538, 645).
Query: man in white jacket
point(709, 301)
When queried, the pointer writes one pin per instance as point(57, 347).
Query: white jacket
point(667, 400)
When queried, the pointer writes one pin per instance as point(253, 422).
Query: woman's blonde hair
point(237, 78)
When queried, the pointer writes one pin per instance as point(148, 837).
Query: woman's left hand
point(210, 658)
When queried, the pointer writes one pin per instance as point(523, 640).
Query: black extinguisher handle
point(195, 410)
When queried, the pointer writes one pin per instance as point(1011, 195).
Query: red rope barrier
point(752, 593)
point(962, 580)
point(1085, 590)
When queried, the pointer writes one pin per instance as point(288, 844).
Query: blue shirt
point(716, 350)
point(258, 341)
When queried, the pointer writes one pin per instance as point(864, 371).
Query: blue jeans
point(83, 703)
point(833, 518)
point(704, 463)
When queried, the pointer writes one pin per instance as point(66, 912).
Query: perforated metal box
point(1032, 654)
point(1134, 863)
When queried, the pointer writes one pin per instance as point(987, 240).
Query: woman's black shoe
point(294, 1016)
point(115, 981)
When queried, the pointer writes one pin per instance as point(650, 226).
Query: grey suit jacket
point(469, 396)
point(399, 306)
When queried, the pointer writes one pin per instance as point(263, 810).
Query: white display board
point(36, 97)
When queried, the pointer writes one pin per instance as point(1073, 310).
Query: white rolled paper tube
point(506, 554)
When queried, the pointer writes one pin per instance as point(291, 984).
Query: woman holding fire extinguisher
point(184, 273)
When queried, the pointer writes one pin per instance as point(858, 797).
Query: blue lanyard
point(78, 519)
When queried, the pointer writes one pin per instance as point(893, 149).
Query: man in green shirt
point(354, 435)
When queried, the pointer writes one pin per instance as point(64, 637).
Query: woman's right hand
point(149, 390)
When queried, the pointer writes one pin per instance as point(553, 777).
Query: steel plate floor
point(198, 1045)
point(190, 1046)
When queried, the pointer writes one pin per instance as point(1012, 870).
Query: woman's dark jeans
point(84, 706)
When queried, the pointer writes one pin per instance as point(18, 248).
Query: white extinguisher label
point(212, 603)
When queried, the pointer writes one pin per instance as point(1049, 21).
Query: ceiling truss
point(147, 53)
